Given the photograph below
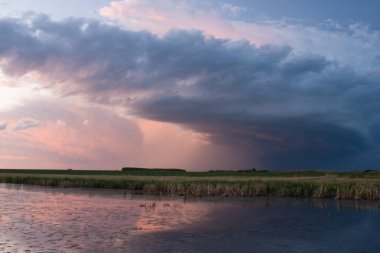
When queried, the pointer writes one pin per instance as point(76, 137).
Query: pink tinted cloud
point(97, 138)
point(168, 145)
point(162, 16)
point(80, 137)
point(352, 44)
point(70, 136)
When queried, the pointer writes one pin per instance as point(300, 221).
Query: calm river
point(37, 219)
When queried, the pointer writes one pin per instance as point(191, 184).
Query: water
point(37, 219)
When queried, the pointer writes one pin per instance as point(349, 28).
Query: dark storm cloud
point(290, 110)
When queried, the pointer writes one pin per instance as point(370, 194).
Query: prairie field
point(315, 184)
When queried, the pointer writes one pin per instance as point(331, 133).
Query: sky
point(198, 85)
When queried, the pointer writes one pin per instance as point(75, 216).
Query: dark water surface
point(37, 219)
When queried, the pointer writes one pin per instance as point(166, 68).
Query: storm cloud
point(282, 109)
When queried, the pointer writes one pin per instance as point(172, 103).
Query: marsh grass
point(315, 187)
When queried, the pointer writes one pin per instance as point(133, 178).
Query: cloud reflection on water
point(77, 220)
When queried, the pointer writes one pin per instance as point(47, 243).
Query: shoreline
point(328, 186)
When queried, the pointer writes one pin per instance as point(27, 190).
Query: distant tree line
point(150, 169)
point(249, 170)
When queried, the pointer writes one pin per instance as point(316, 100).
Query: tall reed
point(209, 187)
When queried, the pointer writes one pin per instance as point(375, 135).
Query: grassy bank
point(295, 184)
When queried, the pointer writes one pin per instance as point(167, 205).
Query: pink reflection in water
point(63, 220)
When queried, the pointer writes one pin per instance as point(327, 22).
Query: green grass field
point(317, 184)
